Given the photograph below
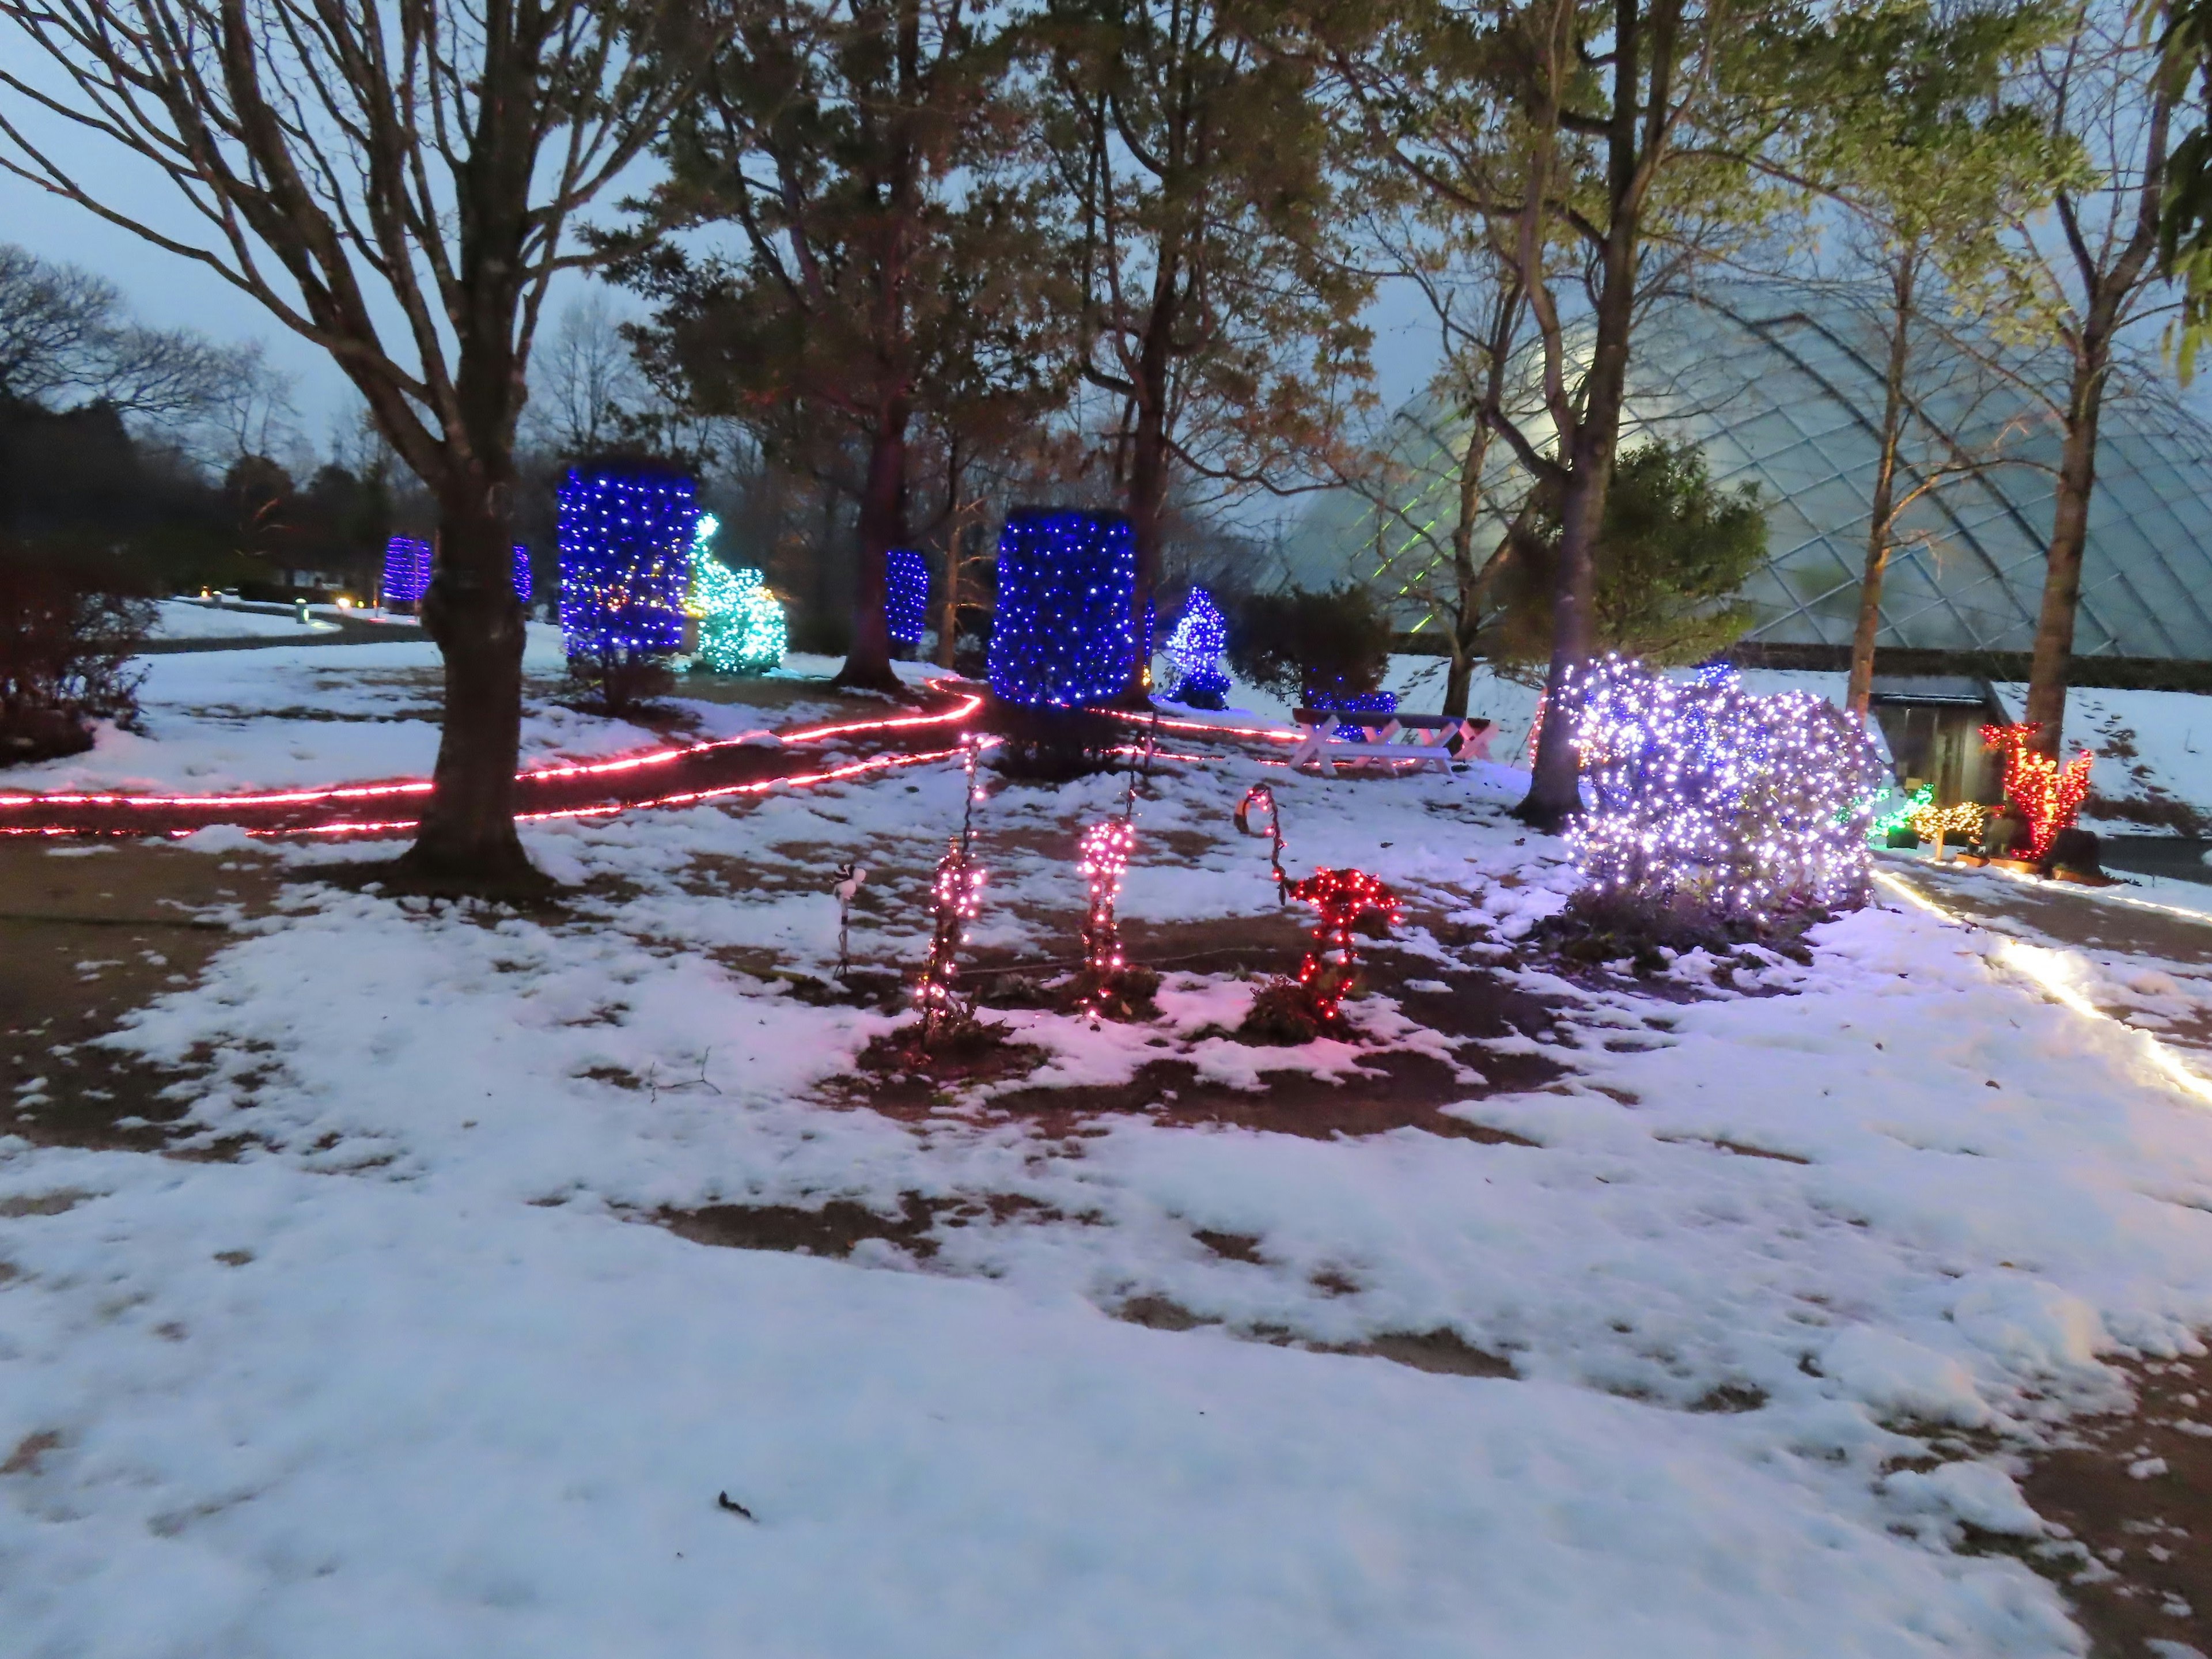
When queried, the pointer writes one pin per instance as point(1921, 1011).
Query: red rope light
point(1270, 734)
point(2049, 795)
point(608, 808)
point(967, 706)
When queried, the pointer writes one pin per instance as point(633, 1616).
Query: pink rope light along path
point(303, 809)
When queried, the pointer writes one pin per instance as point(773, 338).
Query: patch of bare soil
point(2136, 1492)
point(83, 939)
point(1393, 1088)
point(1443, 1352)
point(840, 1225)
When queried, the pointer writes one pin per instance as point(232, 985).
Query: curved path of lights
point(678, 776)
point(681, 775)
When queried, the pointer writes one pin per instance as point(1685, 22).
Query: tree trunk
point(1859, 698)
point(2049, 669)
point(1553, 796)
point(883, 512)
point(1148, 479)
point(1148, 488)
point(467, 837)
point(947, 629)
point(1459, 680)
point(1468, 589)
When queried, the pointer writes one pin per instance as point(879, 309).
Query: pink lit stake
point(1106, 848)
point(1103, 855)
point(955, 899)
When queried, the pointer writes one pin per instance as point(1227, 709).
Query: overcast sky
point(170, 291)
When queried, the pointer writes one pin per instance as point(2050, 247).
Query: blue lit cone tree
point(1200, 635)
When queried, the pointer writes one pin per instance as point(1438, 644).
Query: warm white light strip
point(2043, 966)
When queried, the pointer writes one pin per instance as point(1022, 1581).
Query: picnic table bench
point(1325, 736)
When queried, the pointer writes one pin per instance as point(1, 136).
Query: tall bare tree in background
point(1220, 310)
point(1596, 150)
point(67, 339)
point(392, 179)
point(1931, 160)
point(585, 387)
point(2076, 295)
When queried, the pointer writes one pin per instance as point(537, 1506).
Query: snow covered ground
point(189, 619)
point(1780, 1276)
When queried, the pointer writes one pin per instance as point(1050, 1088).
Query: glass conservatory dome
point(1783, 386)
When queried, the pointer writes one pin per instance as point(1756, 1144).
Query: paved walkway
point(2152, 968)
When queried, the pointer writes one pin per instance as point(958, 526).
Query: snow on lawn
point(189, 619)
point(284, 716)
point(273, 1414)
point(1751, 1252)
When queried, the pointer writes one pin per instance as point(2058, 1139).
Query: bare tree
point(586, 381)
point(254, 413)
point(1597, 151)
point(2079, 293)
point(348, 164)
point(66, 338)
point(1432, 481)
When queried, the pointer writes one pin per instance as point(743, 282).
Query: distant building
point(1782, 384)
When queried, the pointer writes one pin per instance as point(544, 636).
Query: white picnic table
point(1327, 736)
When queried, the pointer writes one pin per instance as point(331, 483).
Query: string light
point(1961, 821)
point(1062, 633)
point(906, 594)
point(741, 626)
point(1261, 797)
point(1737, 802)
point(332, 794)
point(2049, 795)
point(526, 580)
point(406, 570)
point(625, 540)
point(1195, 647)
point(955, 897)
point(1105, 850)
point(1887, 824)
point(1353, 702)
point(1339, 898)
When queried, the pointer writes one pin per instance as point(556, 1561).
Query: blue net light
point(1062, 635)
point(906, 594)
point(1194, 649)
point(625, 561)
point(1354, 702)
point(407, 564)
point(406, 570)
